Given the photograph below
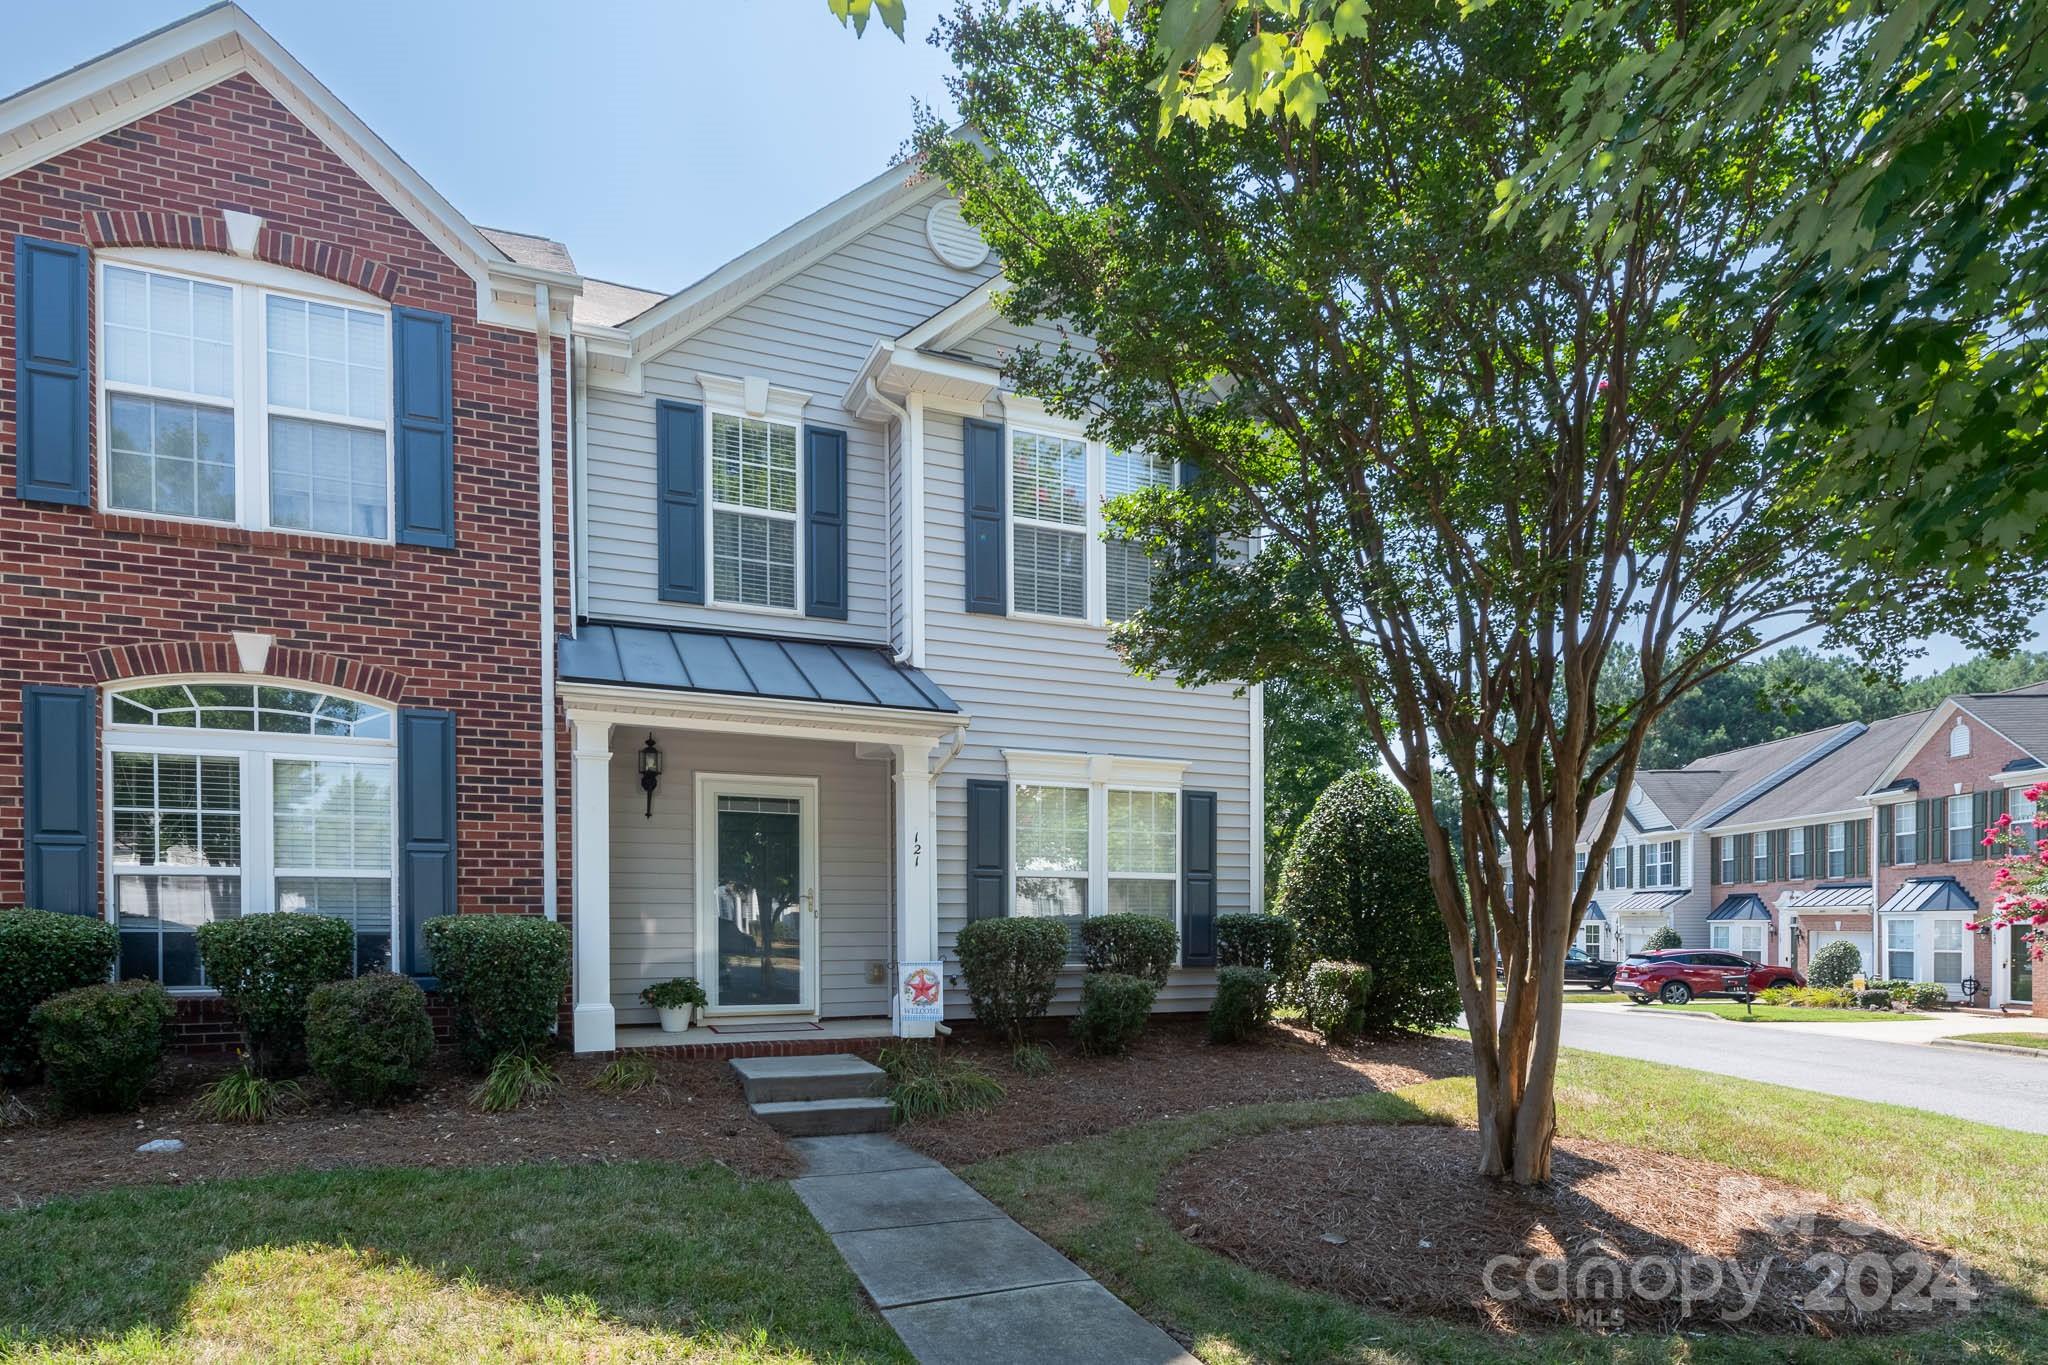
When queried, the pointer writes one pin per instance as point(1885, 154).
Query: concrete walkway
point(960, 1281)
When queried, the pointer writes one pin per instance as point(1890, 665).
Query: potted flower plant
point(676, 1000)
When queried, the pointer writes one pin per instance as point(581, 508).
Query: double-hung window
point(1738, 936)
point(234, 798)
point(2025, 825)
point(1660, 864)
point(1838, 849)
point(1905, 835)
point(1726, 849)
point(1061, 563)
point(1617, 867)
point(1760, 856)
point(753, 512)
point(1945, 951)
point(1963, 833)
point(245, 394)
point(1795, 853)
point(1898, 946)
point(1094, 835)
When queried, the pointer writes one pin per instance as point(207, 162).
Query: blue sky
point(657, 139)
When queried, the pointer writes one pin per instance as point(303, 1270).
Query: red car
point(1676, 975)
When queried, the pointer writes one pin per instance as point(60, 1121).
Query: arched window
point(1959, 741)
point(233, 798)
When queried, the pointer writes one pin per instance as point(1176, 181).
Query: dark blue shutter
point(982, 457)
point(61, 796)
point(825, 523)
point(423, 397)
point(51, 462)
point(679, 512)
point(426, 827)
point(1190, 476)
point(1198, 879)
point(988, 849)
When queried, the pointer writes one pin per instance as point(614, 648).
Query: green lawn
point(2036, 1040)
point(626, 1262)
point(1972, 1187)
point(1788, 1014)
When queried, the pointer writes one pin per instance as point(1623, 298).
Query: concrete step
point(838, 1076)
point(825, 1118)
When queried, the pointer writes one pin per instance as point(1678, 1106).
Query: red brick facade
point(87, 597)
point(1771, 892)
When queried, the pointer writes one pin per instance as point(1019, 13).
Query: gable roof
point(606, 303)
point(1679, 793)
point(157, 70)
point(544, 253)
point(2021, 717)
point(1835, 783)
point(1741, 905)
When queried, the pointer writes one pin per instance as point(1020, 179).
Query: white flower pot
point(676, 1018)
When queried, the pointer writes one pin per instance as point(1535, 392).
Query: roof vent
point(1959, 741)
point(954, 240)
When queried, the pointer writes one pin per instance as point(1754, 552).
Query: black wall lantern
point(650, 772)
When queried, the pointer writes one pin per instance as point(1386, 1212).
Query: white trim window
point(1898, 949)
point(1738, 936)
point(1144, 852)
point(2023, 812)
point(1617, 867)
point(1838, 849)
point(755, 494)
point(1050, 515)
point(241, 393)
point(1795, 853)
point(1050, 842)
point(1945, 949)
point(1660, 864)
point(1727, 853)
point(1760, 856)
point(1963, 833)
point(1094, 834)
point(1589, 939)
point(1905, 835)
point(1128, 570)
point(227, 798)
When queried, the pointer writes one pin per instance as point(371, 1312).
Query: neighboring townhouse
point(839, 678)
point(1871, 834)
point(278, 441)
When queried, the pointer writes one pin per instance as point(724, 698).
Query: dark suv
point(1676, 975)
point(1590, 972)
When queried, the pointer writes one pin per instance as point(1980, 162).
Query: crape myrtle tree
point(1450, 458)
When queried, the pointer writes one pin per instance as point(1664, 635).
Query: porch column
point(917, 913)
point(595, 1027)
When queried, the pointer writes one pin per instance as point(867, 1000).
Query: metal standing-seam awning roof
point(1643, 903)
point(1594, 914)
point(1835, 896)
point(1929, 893)
point(1742, 905)
point(735, 665)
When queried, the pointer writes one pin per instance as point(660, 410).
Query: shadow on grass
point(1097, 1201)
point(629, 1261)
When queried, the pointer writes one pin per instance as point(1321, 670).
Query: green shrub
point(1779, 995)
point(1811, 997)
point(266, 968)
point(1011, 966)
point(1264, 941)
point(100, 1044)
point(1244, 1002)
point(1357, 888)
point(515, 1077)
point(505, 976)
point(1874, 999)
point(1835, 965)
point(42, 954)
point(369, 1038)
point(926, 1084)
point(1927, 995)
point(1337, 998)
point(1897, 986)
point(1662, 938)
point(1114, 1008)
point(1130, 945)
point(245, 1095)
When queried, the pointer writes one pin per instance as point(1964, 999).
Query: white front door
point(757, 877)
point(1823, 937)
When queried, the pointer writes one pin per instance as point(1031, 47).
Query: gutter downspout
point(902, 416)
point(544, 371)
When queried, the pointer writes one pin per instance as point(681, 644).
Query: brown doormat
point(781, 1027)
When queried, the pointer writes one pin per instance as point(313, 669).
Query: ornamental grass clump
point(100, 1045)
point(1011, 967)
point(266, 968)
point(43, 954)
point(514, 1078)
point(626, 1074)
point(924, 1083)
point(246, 1095)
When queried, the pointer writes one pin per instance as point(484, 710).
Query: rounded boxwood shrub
point(505, 975)
point(266, 968)
point(369, 1038)
point(1357, 887)
point(1244, 1002)
point(1662, 938)
point(1835, 965)
point(1130, 945)
point(1927, 995)
point(43, 953)
point(1114, 1008)
point(1011, 967)
point(101, 1044)
point(1337, 998)
point(1265, 941)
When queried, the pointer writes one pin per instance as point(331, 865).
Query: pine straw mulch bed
point(1173, 1069)
point(695, 1113)
point(1393, 1216)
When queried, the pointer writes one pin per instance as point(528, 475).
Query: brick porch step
point(815, 1096)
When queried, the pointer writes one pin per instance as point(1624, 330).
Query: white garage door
point(1823, 937)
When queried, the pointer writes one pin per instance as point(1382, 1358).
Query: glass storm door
point(757, 917)
point(2020, 978)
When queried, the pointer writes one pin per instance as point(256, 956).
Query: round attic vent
point(954, 240)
